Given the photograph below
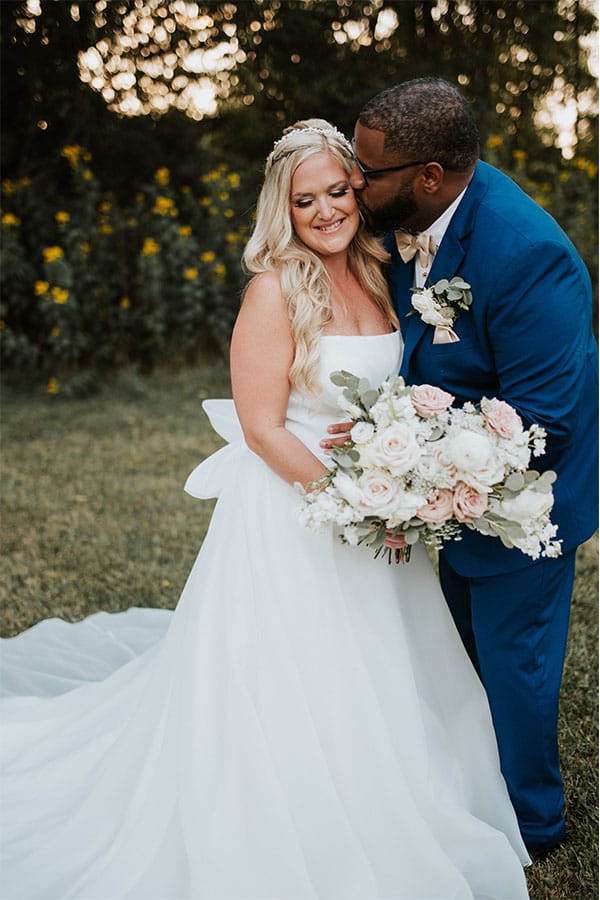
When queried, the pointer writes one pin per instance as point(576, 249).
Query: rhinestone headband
point(331, 132)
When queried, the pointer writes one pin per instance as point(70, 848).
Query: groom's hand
point(337, 435)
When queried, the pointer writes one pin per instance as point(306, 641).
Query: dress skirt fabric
point(305, 724)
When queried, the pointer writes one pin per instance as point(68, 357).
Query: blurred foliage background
point(134, 135)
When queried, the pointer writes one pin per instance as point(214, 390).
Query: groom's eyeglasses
point(365, 171)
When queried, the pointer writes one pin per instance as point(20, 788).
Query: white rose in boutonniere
point(440, 305)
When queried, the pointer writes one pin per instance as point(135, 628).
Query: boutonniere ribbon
point(440, 305)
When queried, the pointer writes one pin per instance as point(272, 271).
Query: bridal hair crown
point(312, 129)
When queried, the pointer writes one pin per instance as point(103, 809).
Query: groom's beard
point(396, 213)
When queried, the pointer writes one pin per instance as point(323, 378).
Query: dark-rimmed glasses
point(365, 171)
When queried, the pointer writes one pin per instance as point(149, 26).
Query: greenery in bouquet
point(416, 465)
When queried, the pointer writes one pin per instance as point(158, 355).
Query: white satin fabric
point(304, 725)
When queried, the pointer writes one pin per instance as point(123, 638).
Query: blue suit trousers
point(514, 627)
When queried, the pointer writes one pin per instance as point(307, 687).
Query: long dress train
point(305, 724)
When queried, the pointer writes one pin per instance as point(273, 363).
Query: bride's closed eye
point(305, 202)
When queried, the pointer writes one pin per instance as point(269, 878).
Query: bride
point(306, 724)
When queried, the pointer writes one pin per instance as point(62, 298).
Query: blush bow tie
point(411, 244)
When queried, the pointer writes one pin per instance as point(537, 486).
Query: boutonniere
point(440, 305)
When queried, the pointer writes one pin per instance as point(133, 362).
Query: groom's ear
point(432, 177)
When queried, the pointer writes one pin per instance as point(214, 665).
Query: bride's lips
point(331, 228)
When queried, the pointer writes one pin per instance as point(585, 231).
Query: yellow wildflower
point(125, 303)
point(162, 175)
point(213, 210)
point(191, 274)
point(220, 270)
point(2, 324)
point(25, 182)
point(186, 189)
point(52, 386)
point(59, 295)
point(88, 174)
point(229, 214)
point(41, 287)
point(494, 140)
point(223, 195)
point(55, 332)
point(163, 206)
point(132, 222)
point(231, 237)
point(234, 179)
point(150, 247)
point(8, 186)
point(519, 154)
point(185, 230)
point(208, 256)
point(52, 253)
point(72, 152)
point(86, 246)
point(104, 206)
point(10, 221)
point(106, 229)
point(139, 198)
point(204, 201)
point(62, 217)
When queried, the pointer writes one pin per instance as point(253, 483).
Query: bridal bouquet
point(417, 465)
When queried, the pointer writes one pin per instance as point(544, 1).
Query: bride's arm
point(262, 352)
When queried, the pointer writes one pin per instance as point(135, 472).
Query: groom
point(526, 339)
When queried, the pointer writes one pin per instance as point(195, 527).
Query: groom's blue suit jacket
point(526, 339)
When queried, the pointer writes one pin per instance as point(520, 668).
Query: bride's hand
point(395, 541)
point(338, 435)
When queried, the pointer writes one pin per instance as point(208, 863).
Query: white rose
point(379, 493)
point(430, 312)
point(397, 449)
point(529, 504)
point(468, 450)
point(362, 432)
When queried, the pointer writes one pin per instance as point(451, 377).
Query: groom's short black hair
point(426, 118)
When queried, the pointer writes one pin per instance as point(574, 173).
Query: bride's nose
point(325, 207)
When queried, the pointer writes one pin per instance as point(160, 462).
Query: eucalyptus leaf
point(531, 476)
point(440, 286)
point(369, 398)
point(515, 482)
point(451, 294)
point(457, 282)
point(411, 536)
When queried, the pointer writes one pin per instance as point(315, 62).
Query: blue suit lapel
point(449, 257)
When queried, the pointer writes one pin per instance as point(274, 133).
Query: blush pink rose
point(468, 503)
point(438, 510)
point(501, 418)
point(428, 400)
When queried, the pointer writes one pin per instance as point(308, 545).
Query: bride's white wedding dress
point(305, 725)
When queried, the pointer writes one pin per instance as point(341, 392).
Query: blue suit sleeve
point(541, 336)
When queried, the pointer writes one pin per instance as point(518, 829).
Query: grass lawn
point(95, 517)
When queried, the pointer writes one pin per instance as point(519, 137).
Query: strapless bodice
point(374, 357)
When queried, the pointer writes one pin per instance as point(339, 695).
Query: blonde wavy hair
point(274, 247)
